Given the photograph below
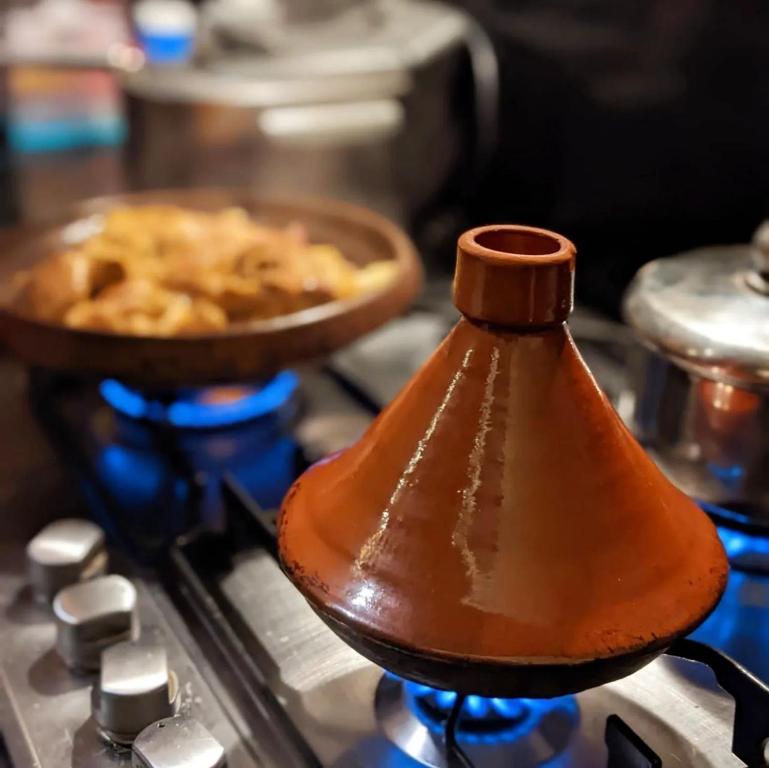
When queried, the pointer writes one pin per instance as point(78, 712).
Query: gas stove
point(186, 485)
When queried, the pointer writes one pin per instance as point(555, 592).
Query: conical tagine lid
point(498, 530)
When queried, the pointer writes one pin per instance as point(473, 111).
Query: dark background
point(638, 129)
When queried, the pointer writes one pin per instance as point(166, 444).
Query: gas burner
point(205, 408)
point(481, 718)
point(494, 731)
point(478, 715)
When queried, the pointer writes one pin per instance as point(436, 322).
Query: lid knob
point(512, 275)
point(761, 248)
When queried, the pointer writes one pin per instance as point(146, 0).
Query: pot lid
point(498, 528)
point(347, 57)
point(708, 310)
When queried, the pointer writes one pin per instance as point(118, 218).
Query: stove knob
point(63, 553)
point(178, 742)
point(135, 688)
point(92, 616)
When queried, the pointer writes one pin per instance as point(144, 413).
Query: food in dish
point(166, 271)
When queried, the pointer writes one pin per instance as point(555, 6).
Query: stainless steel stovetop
point(342, 710)
point(255, 665)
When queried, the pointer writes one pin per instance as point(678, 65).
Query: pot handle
point(758, 277)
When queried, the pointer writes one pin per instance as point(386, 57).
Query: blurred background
point(636, 129)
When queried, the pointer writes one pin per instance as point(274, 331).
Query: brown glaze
point(237, 354)
point(498, 530)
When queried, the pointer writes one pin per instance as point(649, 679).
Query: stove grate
point(750, 733)
point(626, 748)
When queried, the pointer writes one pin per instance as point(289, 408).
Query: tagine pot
point(498, 530)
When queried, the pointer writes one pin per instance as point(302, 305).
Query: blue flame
point(740, 623)
point(739, 546)
point(485, 719)
point(730, 476)
point(744, 550)
point(138, 476)
point(190, 411)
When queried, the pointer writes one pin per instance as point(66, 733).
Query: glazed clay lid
point(498, 516)
point(707, 310)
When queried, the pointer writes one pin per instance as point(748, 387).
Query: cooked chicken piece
point(376, 276)
point(324, 270)
point(163, 270)
point(143, 308)
point(49, 289)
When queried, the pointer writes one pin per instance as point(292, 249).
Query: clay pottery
point(498, 530)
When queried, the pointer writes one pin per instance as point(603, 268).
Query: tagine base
point(492, 678)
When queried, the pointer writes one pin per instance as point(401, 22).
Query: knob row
point(135, 700)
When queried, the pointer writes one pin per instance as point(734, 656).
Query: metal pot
point(702, 383)
point(363, 105)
